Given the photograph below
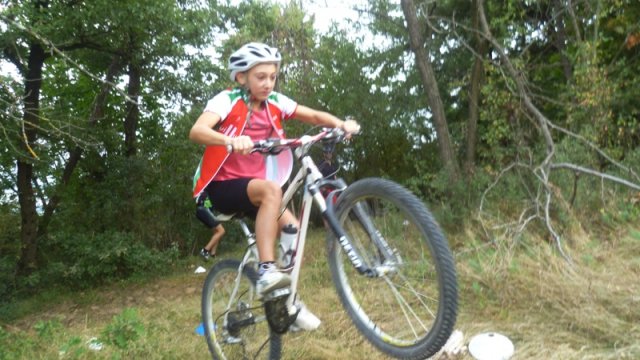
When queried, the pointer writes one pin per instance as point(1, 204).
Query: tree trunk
point(477, 80)
point(76, 154)
point(428, 78)
point(26, 196)
point(133, 111)
point(560, 39)
point(131, 203)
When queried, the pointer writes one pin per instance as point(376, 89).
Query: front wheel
point(234, 322)
point(409, 310)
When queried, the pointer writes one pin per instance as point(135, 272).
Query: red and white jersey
point(231, 106)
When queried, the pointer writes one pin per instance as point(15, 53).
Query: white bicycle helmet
point(250, 55)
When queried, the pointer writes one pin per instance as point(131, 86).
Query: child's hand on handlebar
point(350, 126)
point(241, 144)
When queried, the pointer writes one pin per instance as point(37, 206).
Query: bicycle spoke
point(391, 233)
point(235, 324)
point(405, 307)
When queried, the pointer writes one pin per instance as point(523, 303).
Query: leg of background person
point(218, 233)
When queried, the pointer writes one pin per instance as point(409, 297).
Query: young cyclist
point(233, 178)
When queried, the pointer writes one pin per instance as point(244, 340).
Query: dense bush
point(80, 261)
point(9, 248)
point(86, 260)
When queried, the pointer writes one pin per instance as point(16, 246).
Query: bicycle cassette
point(275, 307)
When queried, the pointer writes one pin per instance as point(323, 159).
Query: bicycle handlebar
point(276, 145)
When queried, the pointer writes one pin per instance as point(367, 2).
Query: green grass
point(550, 310)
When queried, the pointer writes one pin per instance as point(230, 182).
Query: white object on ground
point(94, 344)
point(200, 270)
point(491, 346)
point(455, 345)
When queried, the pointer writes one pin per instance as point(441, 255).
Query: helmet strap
point(249, 113)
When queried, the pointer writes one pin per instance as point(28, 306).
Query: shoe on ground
point(205, 254)
point(306, 320)
point(270, 281)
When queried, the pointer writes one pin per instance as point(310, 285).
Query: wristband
point(229, 147)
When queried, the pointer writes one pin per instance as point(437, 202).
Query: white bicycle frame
point(309, 176)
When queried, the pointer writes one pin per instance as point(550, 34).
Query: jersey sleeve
point(287, 106)
point(220, 104)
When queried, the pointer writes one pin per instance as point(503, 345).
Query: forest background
point(518, 123)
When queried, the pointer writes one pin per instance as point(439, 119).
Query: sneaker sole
point(276, 294)
point(283, 284)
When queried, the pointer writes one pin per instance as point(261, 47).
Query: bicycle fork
point(363, 217)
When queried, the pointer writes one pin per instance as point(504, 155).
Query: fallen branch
point(596, 174)
point(544, 169)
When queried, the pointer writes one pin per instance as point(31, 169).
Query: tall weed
point(551, 308)
point(124, 330)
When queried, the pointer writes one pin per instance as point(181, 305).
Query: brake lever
point(268, 146)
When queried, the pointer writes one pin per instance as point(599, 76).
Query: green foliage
point(621, 213)
point(46, 330)
point(124, 329)
point(14, 346)
point(9, 248)
point(121, 216)
point(49, 335)
point(52, 338)
point(73, 349)
point(7, 276)
point(88, 260)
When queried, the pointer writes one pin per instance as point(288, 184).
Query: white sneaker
point(306, 320)
point(272, 280)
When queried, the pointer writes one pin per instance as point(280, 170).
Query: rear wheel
point(234, 321)
point(409, 310)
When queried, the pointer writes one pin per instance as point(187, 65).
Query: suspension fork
point(362, 215)
point(328, 214)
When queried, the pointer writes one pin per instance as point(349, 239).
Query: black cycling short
point(230, 196)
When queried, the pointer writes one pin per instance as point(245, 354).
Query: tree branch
point(12, 55)
point(51, 48)
point(595, 173)
point(543, 199)
point(593, 147)
point(76, 154)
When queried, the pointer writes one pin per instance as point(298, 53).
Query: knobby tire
point(410, 312)
point(257, 340)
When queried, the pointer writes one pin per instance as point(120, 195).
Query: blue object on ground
point(200, 329)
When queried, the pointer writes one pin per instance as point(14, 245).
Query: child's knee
point(272, 191)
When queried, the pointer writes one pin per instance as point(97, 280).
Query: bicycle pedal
point(276, 294)
point(277, 312)
point(232, 340)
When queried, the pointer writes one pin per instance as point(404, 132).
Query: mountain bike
point(389, 261)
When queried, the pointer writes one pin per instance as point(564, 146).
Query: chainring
point(275, 307)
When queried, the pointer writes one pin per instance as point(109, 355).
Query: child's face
point(260, 80)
